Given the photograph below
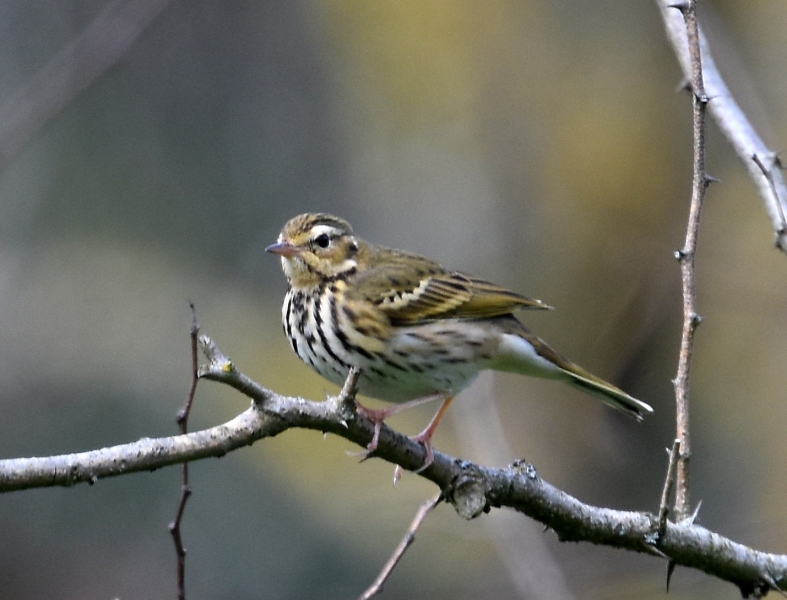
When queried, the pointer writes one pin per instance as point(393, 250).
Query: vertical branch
point(686, 257)
point(185, 488)
point(762, 164)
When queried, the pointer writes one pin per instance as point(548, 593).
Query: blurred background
point(541, 145)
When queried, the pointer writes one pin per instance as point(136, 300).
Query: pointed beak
point(283, 249)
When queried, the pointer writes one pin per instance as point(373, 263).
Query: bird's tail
point(611, 395)
point(523, 352)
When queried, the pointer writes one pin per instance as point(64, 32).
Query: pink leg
point(380, 415)
point(425, 438)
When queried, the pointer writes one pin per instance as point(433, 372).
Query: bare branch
point(761, 163)
point(407, 540)
point(182, 420)
point(691, 319)
point(472, 489)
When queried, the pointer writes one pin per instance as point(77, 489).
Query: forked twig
point(406, 542)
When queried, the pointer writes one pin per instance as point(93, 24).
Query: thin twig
point(406, 542)
point(691, 319)
point(346, 398)
point(182, 420)
point(669, 483)
point(768, 173)
point(664, 505)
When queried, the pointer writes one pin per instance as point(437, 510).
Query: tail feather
point(521, 351)
point(611, 395)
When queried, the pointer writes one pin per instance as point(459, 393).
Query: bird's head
point(315, 246)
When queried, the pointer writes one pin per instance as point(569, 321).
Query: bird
point(414, 330)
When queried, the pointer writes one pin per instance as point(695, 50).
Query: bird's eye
point(323, 240)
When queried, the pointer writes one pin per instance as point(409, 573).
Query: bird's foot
point(425, 439)
point(378, 417)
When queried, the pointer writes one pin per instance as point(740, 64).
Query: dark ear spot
point(352, 249)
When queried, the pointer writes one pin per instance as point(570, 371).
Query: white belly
point(413, 363)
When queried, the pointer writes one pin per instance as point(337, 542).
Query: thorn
point(696, 320)
point(706, 99)
point(684, 86)
point(696, 513)
point(758, 161)
point(691, 519)
point(680, 254)
point(655, 551)
point(682, 6)
point(670, 570)
point(711, 179)
point(397, 475)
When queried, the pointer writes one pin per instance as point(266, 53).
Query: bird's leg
point(378, 416)
point(425, 437)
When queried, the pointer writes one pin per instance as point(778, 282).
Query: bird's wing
point(408, 289)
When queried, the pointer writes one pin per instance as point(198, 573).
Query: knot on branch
point(467, 493)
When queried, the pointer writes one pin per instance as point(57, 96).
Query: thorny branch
point(762, 164)
point(471, 489)
point(691, 319)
